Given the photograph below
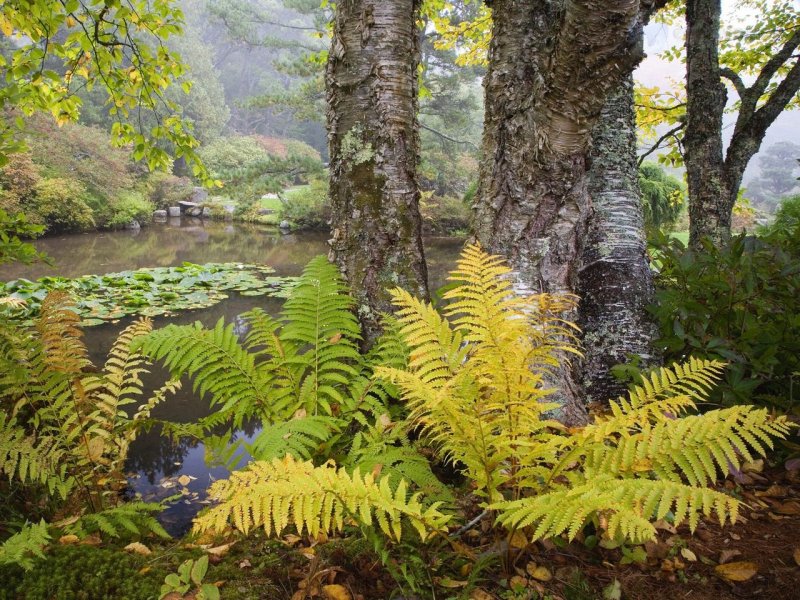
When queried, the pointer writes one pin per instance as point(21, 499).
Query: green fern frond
point(218, 366)
point(21, 548)
point(298, 437)
point(277, 494)
point(128, 519)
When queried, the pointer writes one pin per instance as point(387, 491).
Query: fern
point(475, 385)
point(297, 437)
point(125, 520)
point(280, 493)
point(21, 548)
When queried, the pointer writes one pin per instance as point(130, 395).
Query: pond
point(159, 467)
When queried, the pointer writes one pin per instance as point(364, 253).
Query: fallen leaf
point(219, 551)
point(184, 480)
point(541, 573)
point(737, 571)
point(479, 594)
point(138, 548)
point(66, 540)
point(788, 508)
point(688, 555)
point(92, 540)
point(245, 564)
point(518, 540)
point(727, 555)
point(336, 592)
point(517, 582)
point(755, 466)
point(797, 556)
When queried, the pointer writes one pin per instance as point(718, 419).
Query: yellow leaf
point(541, 573)
point(336, 592)
point(138, 548)
point(518, 540)
point(737, 571)
point(688, 555)
point(797, 556)
point(184, 480)
point(479, 594)
point(446, 582)
point(5, 26)
point(219, 551)
point(753, 467)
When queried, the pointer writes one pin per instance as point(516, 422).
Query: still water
point(156, 463)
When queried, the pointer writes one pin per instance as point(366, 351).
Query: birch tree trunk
point(371, 82)
point(615, 281)
point(551, 66)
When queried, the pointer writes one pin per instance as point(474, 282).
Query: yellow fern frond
point(286, 492)
point(663, 395)
point(631, 505)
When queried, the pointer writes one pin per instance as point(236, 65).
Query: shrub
point(740, 304)
point(785, 229)
point(165, 189)
point(308, 207)
point(445, 214)
point(128, 207)
point(663, 197)
point(60, 205)
point(474, 382)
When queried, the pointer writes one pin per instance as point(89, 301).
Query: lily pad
point(150, 292)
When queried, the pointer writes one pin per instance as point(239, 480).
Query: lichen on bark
point(372, 87)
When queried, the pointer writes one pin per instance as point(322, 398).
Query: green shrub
point(308, 207)
point(130, 206)
point(740, 304)
point(663, 197)
point(60, 205)
point(445, 214)
point(785, 229)
point(165, 189)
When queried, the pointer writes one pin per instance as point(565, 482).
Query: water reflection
point(156, 461)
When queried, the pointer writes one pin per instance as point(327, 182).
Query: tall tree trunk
point(615, 281)
point(714, 178)
point(551, 66)
point(710, 205)
point(371, 82)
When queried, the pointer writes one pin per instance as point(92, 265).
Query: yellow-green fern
point(285, 492)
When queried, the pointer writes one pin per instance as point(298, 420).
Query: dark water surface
point(155, 462)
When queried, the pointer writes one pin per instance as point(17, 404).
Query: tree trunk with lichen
point(714, 175)
point(551, 66)
point(371, 82)
point(615, 281)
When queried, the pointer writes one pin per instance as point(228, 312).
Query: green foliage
point(250, 166)
point(82, 572)
point(740, 304)
point(148, 292)
point(114, 47)
point(190, 572)
point(64, 429)
point(129, 207)
point(663, 197)
point(13, 229)
point(307, 207)
point(784, 231)
point(445, 214)
point(474, 383)
point(59, 204)
point(21, 548)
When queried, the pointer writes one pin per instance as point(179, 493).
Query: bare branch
point(671, 133)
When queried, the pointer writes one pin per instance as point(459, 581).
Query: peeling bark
point(616, 284)
point(551, 66)
point(371, 82)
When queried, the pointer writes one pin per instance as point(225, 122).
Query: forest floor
point(759, 557)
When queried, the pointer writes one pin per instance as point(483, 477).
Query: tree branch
point(447, 137)
point(658, 143)
point(734, 78)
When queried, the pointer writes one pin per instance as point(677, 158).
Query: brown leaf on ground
point(737, 571)
point(138, 548)
point(788, 508)
point(797, 556)
point(479, 594)
point(66, 540)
